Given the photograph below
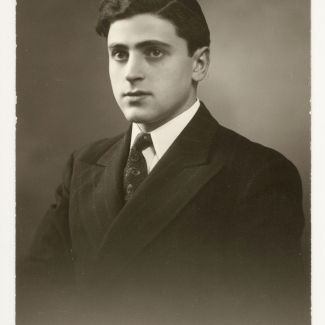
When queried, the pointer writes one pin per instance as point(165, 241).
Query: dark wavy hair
point(185, 15)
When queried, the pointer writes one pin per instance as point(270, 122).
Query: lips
point(137, 93)
point(137, 96)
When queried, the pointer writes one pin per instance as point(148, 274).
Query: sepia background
point(258, 85)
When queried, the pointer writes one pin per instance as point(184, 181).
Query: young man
point(179, 220)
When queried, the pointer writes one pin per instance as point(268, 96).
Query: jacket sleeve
point(51, 249)
point(46, 280)
point(270, 221)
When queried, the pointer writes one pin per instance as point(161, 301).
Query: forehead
point(141, 28)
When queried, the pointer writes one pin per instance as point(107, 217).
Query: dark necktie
point(136, 167)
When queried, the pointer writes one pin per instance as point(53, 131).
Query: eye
point(155, 53)
point(119, 55)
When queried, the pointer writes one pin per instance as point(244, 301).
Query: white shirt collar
point(166, 134)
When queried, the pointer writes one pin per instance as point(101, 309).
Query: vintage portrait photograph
point(163, 162)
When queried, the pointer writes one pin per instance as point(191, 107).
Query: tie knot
point(142, 142)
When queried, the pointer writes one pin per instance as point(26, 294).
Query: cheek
point(178, 83)
point(115, 80)
point(173, 76)
point(182, 73)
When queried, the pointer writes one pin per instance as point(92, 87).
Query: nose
point(134, 69)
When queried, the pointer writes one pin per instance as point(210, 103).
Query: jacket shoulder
point(244, 153)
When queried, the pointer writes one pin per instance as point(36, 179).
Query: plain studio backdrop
point(258, 85)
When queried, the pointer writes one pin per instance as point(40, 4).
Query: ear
point(201, 61)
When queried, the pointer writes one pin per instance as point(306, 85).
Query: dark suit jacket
point(212, 234)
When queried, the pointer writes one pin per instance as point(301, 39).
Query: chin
point(136, 115)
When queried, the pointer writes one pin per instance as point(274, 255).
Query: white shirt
point(164, 136)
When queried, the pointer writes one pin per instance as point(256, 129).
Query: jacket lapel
point(100, 191)
point(185, 168)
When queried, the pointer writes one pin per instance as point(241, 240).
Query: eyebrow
point(140, 45)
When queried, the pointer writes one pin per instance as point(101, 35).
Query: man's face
point(150, 70)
